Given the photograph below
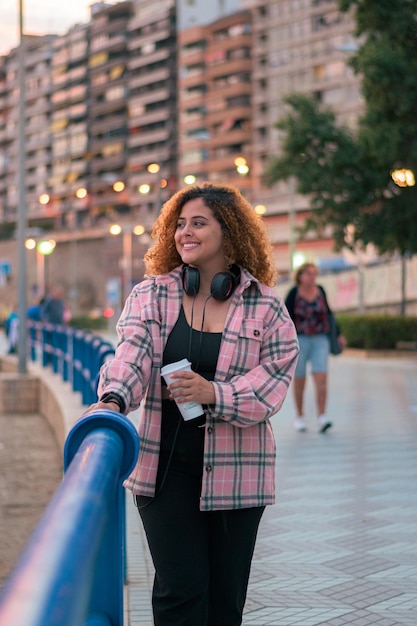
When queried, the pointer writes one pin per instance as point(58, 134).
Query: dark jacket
point(290, 304)
point(53, 311)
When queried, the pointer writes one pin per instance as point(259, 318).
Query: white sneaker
point(324, 423)
point(299, 424)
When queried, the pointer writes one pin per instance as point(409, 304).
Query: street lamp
point(242, 167)
point(43, 248)
point(21, 213)
point(403, 177)
point(126, 262)
point(155, 168)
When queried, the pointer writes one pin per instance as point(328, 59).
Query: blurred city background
point(142, 98)
point(307, 106)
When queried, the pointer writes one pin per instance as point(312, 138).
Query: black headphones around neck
point(222, 286)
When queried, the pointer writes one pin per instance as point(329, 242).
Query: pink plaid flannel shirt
point(256, 363)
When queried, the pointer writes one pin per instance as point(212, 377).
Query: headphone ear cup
point(223, 285)
point(190, 280)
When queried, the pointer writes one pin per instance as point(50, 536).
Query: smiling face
point(199, 237)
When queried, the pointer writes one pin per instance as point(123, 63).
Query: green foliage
point(348, 176)
point(89, 323)
point(377, 332)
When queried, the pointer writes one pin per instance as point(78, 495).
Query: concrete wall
point(381, 288)
point(40, 391)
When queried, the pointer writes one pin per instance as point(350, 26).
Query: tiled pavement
point(340, 545)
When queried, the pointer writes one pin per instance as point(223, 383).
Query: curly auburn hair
point(245, 237)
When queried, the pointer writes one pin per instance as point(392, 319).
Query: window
point(318, 72)
point(115, 93)
point(199, 133)
point(194, 156)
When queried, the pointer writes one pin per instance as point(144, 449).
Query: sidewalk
point(340, 545)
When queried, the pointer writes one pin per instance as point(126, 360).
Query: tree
point(346, 175)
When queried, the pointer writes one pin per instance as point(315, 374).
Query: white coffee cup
point(189, 410)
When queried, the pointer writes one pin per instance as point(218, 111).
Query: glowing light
point(81, 193)
point(118, 186)
point(163, 183)
point(44, 198)
point(189, 179)
point(144, 188)
point(260, 209)
point(46, 247)
point(115, 229)
point(138, 230)
point(109, 312)
point(403, 177)
point(242, 169)
point(30, 244)
point(153, 168)
point(240, 161)
point(298, 259)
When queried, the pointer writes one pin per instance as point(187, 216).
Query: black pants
point(202, 559)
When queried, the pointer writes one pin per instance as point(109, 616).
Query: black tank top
point(202, 349)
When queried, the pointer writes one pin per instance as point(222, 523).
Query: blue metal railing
point(72, 570)
point(77, 355)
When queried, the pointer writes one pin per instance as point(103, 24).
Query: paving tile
point(339, 547)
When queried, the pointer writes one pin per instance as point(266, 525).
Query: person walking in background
point(201, 485)
point(53, 306)
point(11, 327)
point(309, 309)
point(34, 312)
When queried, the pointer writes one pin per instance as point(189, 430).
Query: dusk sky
point(40, 17)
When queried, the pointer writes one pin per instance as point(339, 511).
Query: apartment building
point(288, 46)
point(34, 166)
point(4, 209)
point(120, 110)
point(215, 102)
point(108, 111)
point(152, 108)
point(69, 180)
point(298, 46)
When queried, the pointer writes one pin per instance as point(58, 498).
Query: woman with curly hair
point(201, 485)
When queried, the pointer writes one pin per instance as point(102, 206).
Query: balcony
point(138, 60)
point(235, 66)
point(145, 138)
point(151, 97)
point(108, 164)
point(109, 41)
point(107, 106)
point(231, 137)
point(147, 78)
point(140, 120)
